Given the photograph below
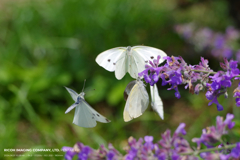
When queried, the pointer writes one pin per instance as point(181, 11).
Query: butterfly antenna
point(84, 85)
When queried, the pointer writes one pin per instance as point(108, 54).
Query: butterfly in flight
point(85, 115)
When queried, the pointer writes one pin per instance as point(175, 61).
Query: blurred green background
point(48, 44)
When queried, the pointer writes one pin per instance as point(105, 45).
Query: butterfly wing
point(136, 64)
point(137, 102)
point(97, 116)
point(121, 66)
point(86, 116)
point(83, 116)
point(73, 94)
point(108, 59)
point(128, 89)
point(156, 103)
point(149, 53)
point(126, 115)
point(71, 108)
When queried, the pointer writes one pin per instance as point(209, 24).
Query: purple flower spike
point(213, 134)
point(219, 44)
point(169, 147)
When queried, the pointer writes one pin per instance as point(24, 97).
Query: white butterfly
point(128, 59)
point(137, 100)
point(85, 115)
point(156, 103)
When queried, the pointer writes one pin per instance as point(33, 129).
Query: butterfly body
point(85, 115)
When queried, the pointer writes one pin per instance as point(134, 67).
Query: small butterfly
point(128, 59)
point(85, 115)
point(137, 100)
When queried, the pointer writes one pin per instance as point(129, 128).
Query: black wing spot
point(151, 57)
point(114, 63)
point(146, 61)
point(93, 114)
point(109, 60)
point(106, 119)
point(98, 115)
point(92, 117)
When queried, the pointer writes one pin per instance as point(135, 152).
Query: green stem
point(204, 71)
point(207, 72)
point(209, 150)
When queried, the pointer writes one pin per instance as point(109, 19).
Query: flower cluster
point(173, 147)
point(195, 77)
point(213, 134)
point(85, 152)
point(167, 147)
point(220, 44)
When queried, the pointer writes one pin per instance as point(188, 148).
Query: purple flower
point(132, 153)
point(72, 151)
point(185, 31)
point(69, 152)
point(228, 121)
point(113, 154)
point(85, 152)
point(236, 151)
point(227, 52)
point(213, 134)
point(177, 142)
point(219, 41)
point(213, 96)
point(153, 77)
point(181, 129)
point(176, 72)
point(224, 157)
point(148, 146)
point(237, 94)
point(219, 44)
point(102, 151)
point(175, 156)
point(110, 155)
point(169, 147)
